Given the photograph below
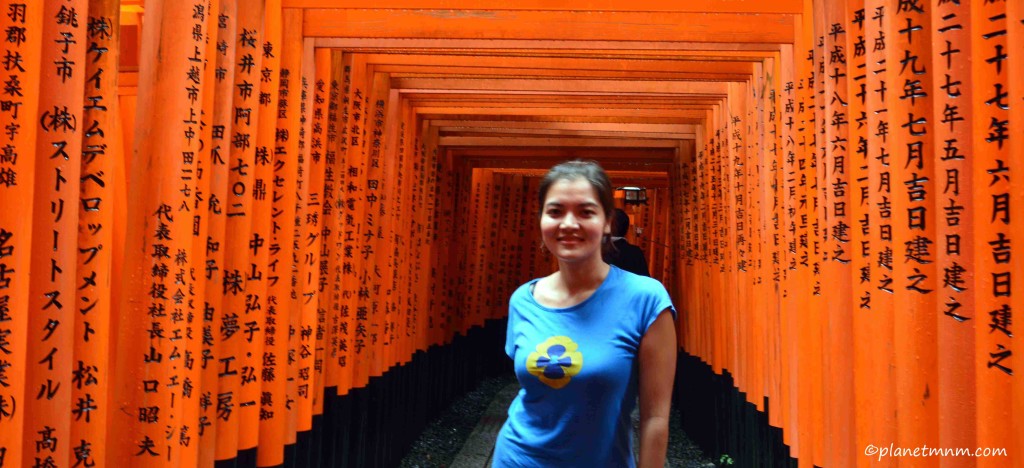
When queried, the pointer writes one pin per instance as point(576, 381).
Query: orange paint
point(1015, 31)
point(239, 315)
point(100, 151)
point(837, 249)
point(54, 280)
point(18, 170)
point(952, 192)
point(215, 245)
point(273, 427)
point(878, 346)
point(147, 370)
point(993, 234)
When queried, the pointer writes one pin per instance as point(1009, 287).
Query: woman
point(584, 340)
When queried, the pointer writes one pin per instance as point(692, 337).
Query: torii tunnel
point(284, 232)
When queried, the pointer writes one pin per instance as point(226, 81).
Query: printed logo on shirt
point(556, 361)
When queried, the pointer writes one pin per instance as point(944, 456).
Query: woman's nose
point(569, 221)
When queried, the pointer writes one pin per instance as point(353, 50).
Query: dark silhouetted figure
point(625, 255)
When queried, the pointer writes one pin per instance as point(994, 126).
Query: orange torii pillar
point(953, 193)
point(17, 182)
point(214, 246)
point(101, 152)
point(991, 164)
point(53, 280)
point(147, 373)
point(1015, 35)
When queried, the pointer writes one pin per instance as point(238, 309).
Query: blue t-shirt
point(578, 370)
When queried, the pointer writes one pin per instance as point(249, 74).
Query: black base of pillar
point(717, 416)
point(376, 425)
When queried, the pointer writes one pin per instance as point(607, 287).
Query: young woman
point(584, 341)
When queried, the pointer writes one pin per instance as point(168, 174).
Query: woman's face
point(573, 222)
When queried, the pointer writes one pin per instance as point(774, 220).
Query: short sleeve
point(657, 302)
point(510, 337)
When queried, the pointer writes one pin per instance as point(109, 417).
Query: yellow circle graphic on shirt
point(556, 361)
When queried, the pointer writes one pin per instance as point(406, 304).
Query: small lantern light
point(633, 195)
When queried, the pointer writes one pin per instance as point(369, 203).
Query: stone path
point(464, 436)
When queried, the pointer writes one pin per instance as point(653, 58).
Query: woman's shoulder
point(524, 290)
point(638, 282)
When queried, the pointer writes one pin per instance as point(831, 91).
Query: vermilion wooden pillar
point(954, 214)
point(147, 370)
point(834, 211)
point(878, 346)
point(411, 309)
point(355, 157)
point(806, 286)
point(310, 396)
point(308, 237)
point(273, 427)
point(300, 403)
point(260, 368)
point(732, 183)
point(1015, 34)
point(332, 244)
point(254, 18)
point(216, 242)
point(100, 150)
point(991, 166)
point(787, 182)
point(374, 253)
point(776, 214)
point(17, 182)
point(911, 132)
point(439, 259)
point(195, 337)
point(342, 66)
point(387, 123)
point(234, 324)
point(52, 275)
point(756, 169)
point(861, 213)
point(392, 218)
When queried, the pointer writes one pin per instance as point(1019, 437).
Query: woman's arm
point(657, 371)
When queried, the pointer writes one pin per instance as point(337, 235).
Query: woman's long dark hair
point(591, 171)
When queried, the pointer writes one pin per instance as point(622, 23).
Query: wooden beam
point(635, 155)
point(545, 62)
point(513, 132)
point(591, 126)
point(695, 6)
point(564, 25)
point(556, 142)
point(586, 106)
point(564, 118)
point(565, 111)
point(538, 47)
point(400, 71)
point(544, 100)
point(539, 86)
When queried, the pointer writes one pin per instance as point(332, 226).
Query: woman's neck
point(583, 276)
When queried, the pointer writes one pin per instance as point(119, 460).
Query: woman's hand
point(657, 372)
